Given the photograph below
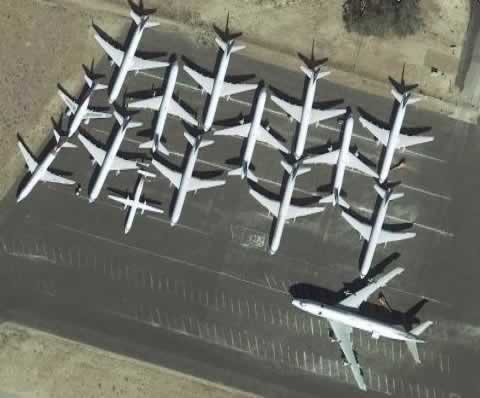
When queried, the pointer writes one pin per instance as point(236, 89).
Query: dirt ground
point(34, 363)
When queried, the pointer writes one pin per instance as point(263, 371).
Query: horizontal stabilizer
point(417, 331)
point(335, 199)
point(132, 124)
point(390, 195)
point(190, 138)
point(65, 143)
point(137, 18)
point(146, 173)
point(118, 117)
point(205, 143)
point(288, 168)
point(241, 172)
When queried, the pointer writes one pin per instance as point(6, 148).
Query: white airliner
point(345, 316)
point(305, 115)
point(108, 160)
point(283, 209)
point(375, 234)
point(393, 139)
point(252, 131)
point(164, 105)
point(186, 182)
point(218, 87)
point(39, 171)
point(79, 111)
point(126, 60)
point(342, 158)
point(135, 203)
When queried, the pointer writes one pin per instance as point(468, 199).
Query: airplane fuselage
point(133, 208)
point(305, 119)
point(342, 159)
point(216, 90)
point(393, 141)
point(126, 63)
point(252, 134)
point(38, 174)
point(163, 111)
point(183, 188)
point(282, 214)
point(107, 162)
point(356, 320)
point(373, 239)
point(80, 113)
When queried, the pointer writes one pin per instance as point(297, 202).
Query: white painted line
point(169, 258)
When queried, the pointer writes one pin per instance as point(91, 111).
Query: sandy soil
point(42, 44)
point(37, 364)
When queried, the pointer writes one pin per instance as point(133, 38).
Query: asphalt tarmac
point(205, 297)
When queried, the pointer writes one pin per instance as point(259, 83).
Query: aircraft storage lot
point(205, 296)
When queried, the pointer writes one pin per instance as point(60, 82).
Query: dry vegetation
point(382, 17)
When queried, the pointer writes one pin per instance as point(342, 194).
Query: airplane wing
point(317, 115)
point(129, 202)
point(362, 228)
point(241, 130)
point(301, 211)
point(97, 153)
point(203, 81)
point(199, 183)
point(144, 64)
point(97, 115)
point(123, 201)
point(114, 53)
point(357, 298)
point(29, 160)
point(149, 103)
point(273, 206)
point(71, 104)
point(292, 110)
point(409, 140)
point(265, 136)
point(50, 177)
point(390, 236)
point(326, 158)
point(355, 163)
point(176, 109)
point(343, 334)
point(147, 207)
point(380, 133)
point(174, 176)
point(236, 88)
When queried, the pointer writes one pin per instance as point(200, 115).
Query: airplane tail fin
point(412, 345)
point(399, 97)
point(389, 193)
